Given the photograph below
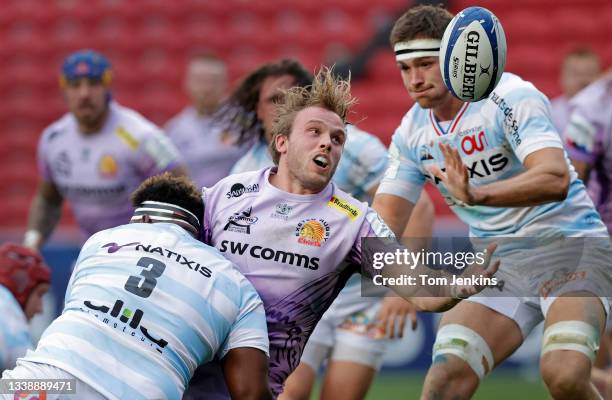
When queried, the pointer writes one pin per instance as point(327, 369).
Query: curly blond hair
point(326, 91)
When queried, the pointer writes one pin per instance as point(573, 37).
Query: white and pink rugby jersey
point(291, 248)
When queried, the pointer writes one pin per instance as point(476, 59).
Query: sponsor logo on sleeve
point(511, 125)
point(127, 138)
point(312, 232)
point(342, 205)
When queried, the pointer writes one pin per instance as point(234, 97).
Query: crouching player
point(147, 303)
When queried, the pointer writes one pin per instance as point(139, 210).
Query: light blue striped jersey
point(493, 137)
point(15, 337)
point(362, 165)
point(146, 304)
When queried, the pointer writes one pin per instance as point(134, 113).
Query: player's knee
point(465, 344)
point(568, 351)
point(567, 380)
point(461, 358)
point(449, 377)
point(295, 391)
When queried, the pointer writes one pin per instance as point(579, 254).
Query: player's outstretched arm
point(546, 179)
point(45, 212)
point(441, 297)
point(394, 210)
point(246, 374)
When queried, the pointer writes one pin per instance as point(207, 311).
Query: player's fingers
point(488, 254)
point(457, 158)
point(402, 325)
point(444, 150)
point(492, 269)
point(390, 325)
point(413, 318)
point(383, 312)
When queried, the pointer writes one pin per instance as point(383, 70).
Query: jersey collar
point(451, 127)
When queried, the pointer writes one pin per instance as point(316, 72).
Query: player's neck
point(205, 110)
point(94, 127)
point(284, 180)
point(447, 110)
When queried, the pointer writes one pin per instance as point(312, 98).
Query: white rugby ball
point(473, 54)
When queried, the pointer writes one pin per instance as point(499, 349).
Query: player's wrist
point(475, 196)
point(32, 239)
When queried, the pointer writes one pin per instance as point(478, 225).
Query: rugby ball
point(473, 54)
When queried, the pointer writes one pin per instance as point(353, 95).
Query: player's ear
point(280, 142)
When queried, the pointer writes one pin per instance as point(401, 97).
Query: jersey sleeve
point(15, 338)
point(402, 177)
point(207, 221)
point(41, 158)
point(524, 116)
point(370, 155)
point(157, 154)
point(374, 236)
point(250, 328)
point(580, 137)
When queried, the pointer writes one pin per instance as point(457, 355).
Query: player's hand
point(455, 177)
point(478, 272)
point(393, 313)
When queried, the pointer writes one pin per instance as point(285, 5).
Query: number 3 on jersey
point(152, 269)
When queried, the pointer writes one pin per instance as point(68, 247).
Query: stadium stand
point(148, 41)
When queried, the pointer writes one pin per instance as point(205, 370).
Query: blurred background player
point(140, 316)
point(579, 68)
point(208, 151)
point(352, 333)
point(24, 279)
point(501, 167)
point(95, 155)
point(588, 137)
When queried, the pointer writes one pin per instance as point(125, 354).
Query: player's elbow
point(562, 185)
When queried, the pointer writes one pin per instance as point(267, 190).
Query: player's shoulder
point(132, 123)
point(174, 123)
point(595, 96)
point(416, 119)
point(347, 204)
point(235, 186)
point(59, 128)
point(513, 89)
point(255, 158)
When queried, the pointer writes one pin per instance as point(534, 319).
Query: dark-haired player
point(147, 303)
point(501, 167)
